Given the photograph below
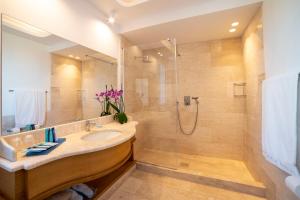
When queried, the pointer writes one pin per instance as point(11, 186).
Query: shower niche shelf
point(239, 89)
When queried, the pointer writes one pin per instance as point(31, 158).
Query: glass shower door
point(150, 96)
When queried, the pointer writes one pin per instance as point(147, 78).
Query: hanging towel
point(293, 183)
point(279, 121)
point(30, 107)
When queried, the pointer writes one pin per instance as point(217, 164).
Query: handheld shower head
point(196, 99)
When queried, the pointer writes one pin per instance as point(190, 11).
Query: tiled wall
point(73, 88)
point(95, 75)
point(254, 68)
point(205, 69)
point(65, 91)
point(208, 70)
point(64, 98)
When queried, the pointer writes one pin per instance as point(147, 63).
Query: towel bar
point(14, 91)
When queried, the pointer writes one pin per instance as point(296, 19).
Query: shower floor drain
point(184, 164)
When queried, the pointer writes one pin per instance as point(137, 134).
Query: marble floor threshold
point(138, 184)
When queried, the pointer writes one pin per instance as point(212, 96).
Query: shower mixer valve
point(187, 100)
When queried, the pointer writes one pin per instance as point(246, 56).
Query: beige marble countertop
point(74, 145)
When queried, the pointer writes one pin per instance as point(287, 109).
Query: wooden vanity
point(85, 157)
point(45, 180)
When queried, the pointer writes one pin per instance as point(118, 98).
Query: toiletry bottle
point(47, 134)
point(54, 135)
point(51, 135)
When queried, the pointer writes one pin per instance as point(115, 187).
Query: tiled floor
point(141, 185)
point(224, 169)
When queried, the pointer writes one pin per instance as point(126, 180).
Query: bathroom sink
point(101, 135)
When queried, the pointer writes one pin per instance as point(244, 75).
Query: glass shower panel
point(150, 96)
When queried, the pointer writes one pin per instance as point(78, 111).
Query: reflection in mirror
point(47, 80)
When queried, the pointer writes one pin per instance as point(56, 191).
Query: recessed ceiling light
point(71, 56)
point(111, 20)
point(77, 57)
point(234, 24)
point(130, 3)
point(232, 30)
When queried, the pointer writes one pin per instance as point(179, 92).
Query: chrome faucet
point(89, 124)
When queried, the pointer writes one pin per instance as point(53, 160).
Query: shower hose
point(179, 120)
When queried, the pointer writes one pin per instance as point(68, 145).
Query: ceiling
point(82, 53)
point(63, 47)
point(185, 20)
point(51, 40)
point(153, 12)
point(200, 28)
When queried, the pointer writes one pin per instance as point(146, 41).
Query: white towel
point(279, 121)
point(30, 107)
point(293, 183)
point(66, 195)
point(84, 189)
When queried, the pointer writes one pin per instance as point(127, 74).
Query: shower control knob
point(187, 100)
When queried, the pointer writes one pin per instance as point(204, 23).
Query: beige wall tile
point(205, 69)
point(65, 91)
point(95, 76)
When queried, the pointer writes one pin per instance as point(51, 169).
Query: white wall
point(281, 19)
point(74, 20)
point(25, 65)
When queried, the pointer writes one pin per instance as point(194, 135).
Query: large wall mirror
point(47, 80)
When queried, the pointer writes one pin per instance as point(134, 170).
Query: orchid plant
point(112, 99)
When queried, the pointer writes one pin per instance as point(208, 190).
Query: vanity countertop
point(74, 145)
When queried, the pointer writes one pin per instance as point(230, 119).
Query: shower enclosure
point(152, 98)
point(158, 75)
point(150, 85)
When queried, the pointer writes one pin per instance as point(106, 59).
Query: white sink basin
point(102, 135)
